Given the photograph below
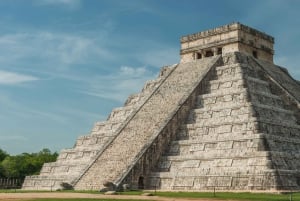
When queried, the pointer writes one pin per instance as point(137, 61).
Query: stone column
point(215, 51)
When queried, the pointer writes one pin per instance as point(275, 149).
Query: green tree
point(26, 164)
point(10, 166)
point(3, 155)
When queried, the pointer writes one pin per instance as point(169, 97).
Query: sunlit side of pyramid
point(224, 118)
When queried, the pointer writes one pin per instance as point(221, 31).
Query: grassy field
point(234, 196)
point(217, 195)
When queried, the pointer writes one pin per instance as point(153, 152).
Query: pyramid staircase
point(115, 148)
point(71, 163)
point(141, 141)
point(242, 134)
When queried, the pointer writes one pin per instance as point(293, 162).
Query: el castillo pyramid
point(225, 117)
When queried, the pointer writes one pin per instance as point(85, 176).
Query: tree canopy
point(24, 164)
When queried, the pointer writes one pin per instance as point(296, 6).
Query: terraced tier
point(236, 136)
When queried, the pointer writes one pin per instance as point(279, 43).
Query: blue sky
point(65, 64)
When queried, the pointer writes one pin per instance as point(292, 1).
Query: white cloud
point(119, 85)
point(54, 50)
point(130, 71)
point(13, 138)
point(10, 78)
point(73, 4)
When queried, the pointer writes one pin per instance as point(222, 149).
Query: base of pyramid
point(269, 181)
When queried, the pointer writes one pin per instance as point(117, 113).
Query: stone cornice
point(225, 29)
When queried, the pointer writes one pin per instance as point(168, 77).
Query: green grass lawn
point(218, 195)
point(226, 195)
point(234, 196)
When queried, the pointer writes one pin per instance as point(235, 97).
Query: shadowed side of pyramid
point(243, 133)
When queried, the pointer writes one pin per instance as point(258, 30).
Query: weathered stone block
point(219, 181)
point(184, 181)
point(190, 164)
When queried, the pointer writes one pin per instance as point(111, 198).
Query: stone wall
point(240, 136)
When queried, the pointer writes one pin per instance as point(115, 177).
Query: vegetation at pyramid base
point(24, 164)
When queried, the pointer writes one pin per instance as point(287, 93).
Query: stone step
point(61, 163)
point(240, 69)
point(217, 130)
point(286, 154)
point(232, 94)
point(225, 106)
point(235, 140)
point(274, 114)
point(266, 99)
point(210, 152)
point(218, 99)
point(225, 80)
point(223, 93)
point(227, 71)
point(206, 172)
point(272, 108)
point(237, 82)
point(229, 110)
point(243, 158)
point(255, 84)
point(134, 100)
point(245, 105)
point(285, 146)
point(231, 182)
point(237, 168)
point(281, 78)
point(70, 170)
point(240, 110)
point(105, 128)
point(121, 113)
point(214, 130)
point(279, 123)
point(69, 156)
point(202, 147)
point(223, 84)
point(256, 80)
point(282, 139)
point(211, 104)
point(224, 122)
point(215, 182)
point(88, 141)
point(235, 137)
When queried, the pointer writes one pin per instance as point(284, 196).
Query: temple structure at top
point(233, 37)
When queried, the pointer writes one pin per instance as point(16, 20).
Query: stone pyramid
point(224, 118)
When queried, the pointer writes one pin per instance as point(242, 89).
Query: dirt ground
point(27, 196)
